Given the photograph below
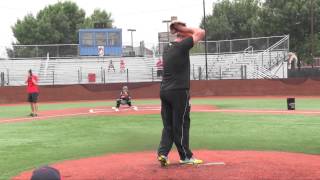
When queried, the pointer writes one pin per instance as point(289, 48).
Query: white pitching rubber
point(213, 164)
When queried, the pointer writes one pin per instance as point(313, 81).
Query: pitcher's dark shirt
point(176, 65)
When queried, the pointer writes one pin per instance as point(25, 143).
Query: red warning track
point(240, 165)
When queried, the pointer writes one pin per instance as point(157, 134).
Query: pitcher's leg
point(181, 123)
point(167, 131)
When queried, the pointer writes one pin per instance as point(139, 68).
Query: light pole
point(312, 30)
point(167, 21)
point(132, 30)
point(205, 37)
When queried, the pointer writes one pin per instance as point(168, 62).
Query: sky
point(145, 16)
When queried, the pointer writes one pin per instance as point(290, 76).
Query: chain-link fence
point(237, 45)
point(36, 51)
point(139, 49)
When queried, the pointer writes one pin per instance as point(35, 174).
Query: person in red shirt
point(33, 92)
point(122, 66)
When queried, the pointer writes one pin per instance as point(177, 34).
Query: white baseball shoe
point(115, 109)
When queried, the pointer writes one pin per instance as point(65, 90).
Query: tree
point(293, 17)
point(98, 16)
point(25, 30)
point(54, 24)
point(233, 19)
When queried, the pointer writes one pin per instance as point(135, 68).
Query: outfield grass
point(261, 103)
point(30, 144)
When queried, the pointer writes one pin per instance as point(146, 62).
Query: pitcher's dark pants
point(175, 110)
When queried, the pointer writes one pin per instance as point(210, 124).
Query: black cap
point(46, 173)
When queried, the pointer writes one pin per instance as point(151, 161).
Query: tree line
point(55, 24)
point(229, 19)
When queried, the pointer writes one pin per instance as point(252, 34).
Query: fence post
point(52, 77)
point(127, 75)
point(193, 72)
point(241, 71)
point(101, 74)
point(8, 77)
point(78, 76)
point(199, 72)
point(2, 78)
point(104, 75)
point(270, 59)
point(37, 51)
point(58, 51)
point(283, 70)
point(152, 73)
point(245, 71)
point(220, 72)
point(78, 50)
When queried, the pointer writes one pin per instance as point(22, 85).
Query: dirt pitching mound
point(218, 165)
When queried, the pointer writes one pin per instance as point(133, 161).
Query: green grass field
point(26, 145)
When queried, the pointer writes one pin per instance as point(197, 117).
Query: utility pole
point(312, 30)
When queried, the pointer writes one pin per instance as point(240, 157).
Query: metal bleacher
point(76, 71)
point(17, 71)
point(247, 64)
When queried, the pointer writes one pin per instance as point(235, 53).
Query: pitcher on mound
point(174, 94)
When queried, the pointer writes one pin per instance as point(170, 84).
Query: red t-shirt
point(122, 65)
point(159, 65)
point(31, 87)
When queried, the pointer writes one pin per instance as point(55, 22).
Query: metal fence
point(141, 48)
point(229, 59)
point(37, 51)
point(234, 45)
